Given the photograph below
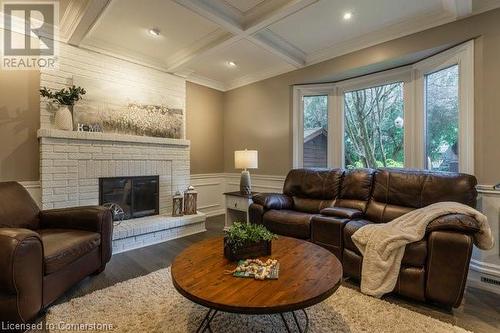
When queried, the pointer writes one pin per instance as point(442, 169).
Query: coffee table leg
point(205, 323)
point(299, 328)
point(285, 322)
point(306, 328)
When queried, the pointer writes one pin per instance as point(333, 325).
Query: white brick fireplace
point(71, 164)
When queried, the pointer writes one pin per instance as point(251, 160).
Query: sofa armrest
point(256, 213)
point(454, 222)
point(346, 213)
point(89, 218)
point(448, 258)
point(327, 231)
point(273, 201)
point(21, 274)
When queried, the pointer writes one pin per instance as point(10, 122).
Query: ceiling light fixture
point(154, 31)
point(230, 63)
point(347, 16)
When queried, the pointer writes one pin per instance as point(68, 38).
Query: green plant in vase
point(247, 240)
point(66, 99)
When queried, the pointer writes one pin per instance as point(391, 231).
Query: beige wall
point(204, 127)
point(19, 121)
point(258, 116)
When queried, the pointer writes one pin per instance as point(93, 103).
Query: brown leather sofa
point(44, 253)
point(328, 206)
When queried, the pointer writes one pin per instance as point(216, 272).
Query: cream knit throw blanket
point(383, 245)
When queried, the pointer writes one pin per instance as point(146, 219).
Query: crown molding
point(259, 76)
point(251, 26)
point(71, 17)
point(116, 51)
point(390, 32)
point(458, 8)
point(204, 81)
point(486, 5)
point(80, 22)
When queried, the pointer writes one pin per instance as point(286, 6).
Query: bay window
point(418, 116)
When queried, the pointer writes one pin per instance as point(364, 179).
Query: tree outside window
point(441, 111)
point(374, 127)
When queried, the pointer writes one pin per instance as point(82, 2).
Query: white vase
point(64, 118)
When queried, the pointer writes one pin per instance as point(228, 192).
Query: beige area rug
point(151, 304)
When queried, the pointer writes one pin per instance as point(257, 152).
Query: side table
point(237, 205)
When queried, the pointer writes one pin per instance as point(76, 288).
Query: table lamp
point(245, 159)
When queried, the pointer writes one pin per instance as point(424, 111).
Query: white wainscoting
point(484, 270)
point(211, 187)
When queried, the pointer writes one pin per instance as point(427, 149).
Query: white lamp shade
point(246, 159)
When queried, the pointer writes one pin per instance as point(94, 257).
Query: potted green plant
point(247, 240)
point(66, 99)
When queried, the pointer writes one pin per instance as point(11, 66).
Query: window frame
point(463, 56)
point(299, 92)
point(403, 74)
point(413, 78)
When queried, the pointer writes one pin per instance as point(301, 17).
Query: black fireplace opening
point(137, 196)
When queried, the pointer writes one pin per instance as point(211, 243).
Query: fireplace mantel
point(113, 137)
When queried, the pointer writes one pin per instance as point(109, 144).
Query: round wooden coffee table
point(308, 275)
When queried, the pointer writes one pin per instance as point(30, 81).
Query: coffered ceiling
point(229, 43)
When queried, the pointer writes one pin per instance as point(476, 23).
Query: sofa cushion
point(397, 191)
point(415, 253)
point(356, 189)
point(63, 246)
point(313, 206)
point(322, 184)
point(289, 223)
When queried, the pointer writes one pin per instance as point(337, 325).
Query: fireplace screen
point(137, 196)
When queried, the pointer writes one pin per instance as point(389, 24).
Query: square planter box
point(247, 251)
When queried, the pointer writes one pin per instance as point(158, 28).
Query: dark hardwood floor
point(479, 312)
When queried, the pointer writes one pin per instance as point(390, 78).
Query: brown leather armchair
point(327, 206)
point(44, 253)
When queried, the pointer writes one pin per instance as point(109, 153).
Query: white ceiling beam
point(205, 48)
point(458, 8)
point(217, 12)
point(280, 47)
point(268, 18)
point(77, 23)
point(254, 30)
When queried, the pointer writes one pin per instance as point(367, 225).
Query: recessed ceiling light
point(230, 64)
point(154, 31)
point(347, 16)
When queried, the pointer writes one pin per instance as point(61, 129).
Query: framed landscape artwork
point(126, 109)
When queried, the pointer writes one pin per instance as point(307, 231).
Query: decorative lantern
point(190, 197)
point(177, 204)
